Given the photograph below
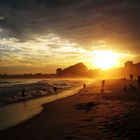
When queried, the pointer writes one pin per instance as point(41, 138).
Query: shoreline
point(13, 94)
point(35, 106)
point(33, 98)
point(90, 114)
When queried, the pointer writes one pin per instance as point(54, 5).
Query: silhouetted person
point(131, 77)
point(123, 78)
point(103, 83)
point(84, 86)
point(138, 80)
point(23, 92)
point(55, 89)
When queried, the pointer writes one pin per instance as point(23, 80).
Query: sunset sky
point(41, 35)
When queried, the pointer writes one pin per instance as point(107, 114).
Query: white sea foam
point(13, 114)
point(11, 89)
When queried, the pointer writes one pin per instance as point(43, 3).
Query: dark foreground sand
point(95, 113)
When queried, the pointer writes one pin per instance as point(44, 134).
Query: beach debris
point(85, 106)
point(123, 78)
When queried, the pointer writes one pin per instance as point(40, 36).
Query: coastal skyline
point(39, 36)
point(69, 69)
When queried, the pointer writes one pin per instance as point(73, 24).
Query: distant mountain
point(77, 70)
point(80, 70)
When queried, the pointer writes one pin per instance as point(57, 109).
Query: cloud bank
point(35, 30)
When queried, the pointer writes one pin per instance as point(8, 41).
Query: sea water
point(13, 114)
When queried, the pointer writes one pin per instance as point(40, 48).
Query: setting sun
point(105, 59)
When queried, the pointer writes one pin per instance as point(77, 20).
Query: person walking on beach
point(23, 92)
point(131, 76)
point(103, 83)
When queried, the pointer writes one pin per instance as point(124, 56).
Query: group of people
point(138, 79)
point(84, 85)
point(103, 84)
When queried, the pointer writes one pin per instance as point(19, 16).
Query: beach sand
point(111, 112)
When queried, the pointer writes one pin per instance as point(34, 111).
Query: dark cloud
point(81, 20)
point(27, 4)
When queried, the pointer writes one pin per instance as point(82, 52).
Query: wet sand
point(95, 113)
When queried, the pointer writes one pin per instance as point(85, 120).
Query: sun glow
point(105, 59)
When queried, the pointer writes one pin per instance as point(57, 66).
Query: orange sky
point(41, 35)
point(47, 52)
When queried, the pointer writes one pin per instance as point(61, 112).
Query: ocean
point(39, 91)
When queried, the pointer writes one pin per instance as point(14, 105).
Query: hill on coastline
point(79, 70)
point(74, 71)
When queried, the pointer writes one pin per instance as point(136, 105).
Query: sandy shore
point(95, 113)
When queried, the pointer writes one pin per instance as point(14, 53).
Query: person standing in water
point(84, 86)
point(102, 87)
point(23, 92)
point(55, 89)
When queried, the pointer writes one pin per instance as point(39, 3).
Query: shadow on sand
point(85, 106)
